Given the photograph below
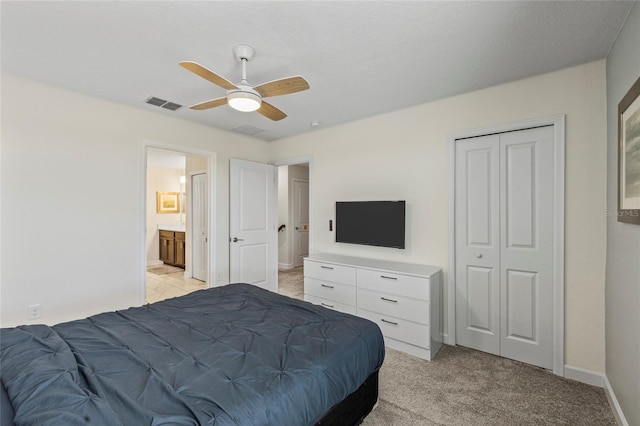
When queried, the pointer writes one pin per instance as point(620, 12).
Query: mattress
point(235, 354)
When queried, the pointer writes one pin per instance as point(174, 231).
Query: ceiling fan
point(243, 96)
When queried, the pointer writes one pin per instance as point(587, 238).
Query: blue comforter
point(236, 354)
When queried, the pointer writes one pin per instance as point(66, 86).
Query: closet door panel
point(478, 244)
point(526, 256)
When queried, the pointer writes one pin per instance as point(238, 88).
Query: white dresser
point(402, 298)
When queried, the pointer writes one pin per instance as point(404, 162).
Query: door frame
point(142, 207)
point(558, 123)
point(292, 161)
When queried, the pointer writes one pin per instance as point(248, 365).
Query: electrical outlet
point(35, 311)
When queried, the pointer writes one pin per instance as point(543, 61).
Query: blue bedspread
point(236, 354)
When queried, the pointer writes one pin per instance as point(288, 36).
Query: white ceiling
point(361, 58)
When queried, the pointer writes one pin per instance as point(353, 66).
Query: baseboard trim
point(285, 265)
point(584, 376)
point(154, 263)
point(615, 405)
point(601, 380)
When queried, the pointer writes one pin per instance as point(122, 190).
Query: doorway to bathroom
point(177, 223)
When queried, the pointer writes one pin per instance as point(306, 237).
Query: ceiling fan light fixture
point(244, 101)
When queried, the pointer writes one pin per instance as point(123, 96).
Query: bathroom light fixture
point(244, 100)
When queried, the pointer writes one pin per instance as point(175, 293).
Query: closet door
point(504, 244)
point(477, 216)
point(526, 236)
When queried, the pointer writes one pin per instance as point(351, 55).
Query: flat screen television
point(373, 223)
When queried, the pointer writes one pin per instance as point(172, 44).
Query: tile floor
point(160, 287)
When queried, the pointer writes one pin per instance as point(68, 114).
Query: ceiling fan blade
point(207, 74)
point(209, 104)
point(283, 86)
point(271, 112)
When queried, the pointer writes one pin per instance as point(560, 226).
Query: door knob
point(479, 255)
point(297, 228)
point(235, 240)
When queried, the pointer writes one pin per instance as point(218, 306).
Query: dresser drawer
point(396, 306)
point(336, 306)
point(330, 272)
point(345, 294)
point(390, 283)
point(399, 329)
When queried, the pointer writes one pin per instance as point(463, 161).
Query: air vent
point(171, 106)
point(162, 103)
point(247, 130)
point(156, 101)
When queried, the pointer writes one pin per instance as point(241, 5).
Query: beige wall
point(74, 224)
point(402, 155)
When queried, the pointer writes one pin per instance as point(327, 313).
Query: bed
point(229, 355)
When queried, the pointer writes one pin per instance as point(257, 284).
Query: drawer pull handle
point(326, 267)
point(326, 286)
point(388, 278)
point(327, 305)
point(388, 322)
point(389, 300)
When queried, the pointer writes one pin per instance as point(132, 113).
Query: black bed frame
point(351, 411)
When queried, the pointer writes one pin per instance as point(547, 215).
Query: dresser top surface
point(383, 265)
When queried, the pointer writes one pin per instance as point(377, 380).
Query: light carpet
point(461, 386)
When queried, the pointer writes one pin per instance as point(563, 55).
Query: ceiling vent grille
point(163, 103)
point(247, 130)
point(171, 106)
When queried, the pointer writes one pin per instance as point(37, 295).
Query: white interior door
point(477, 217)
point(300, 221)
point(199, 226)
point(504, 244)
point(526, 211)
point(253, 248)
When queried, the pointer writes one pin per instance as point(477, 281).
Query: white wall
point(402, 155)
point(159, 179)
point(623, 239)
point(71, 198)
